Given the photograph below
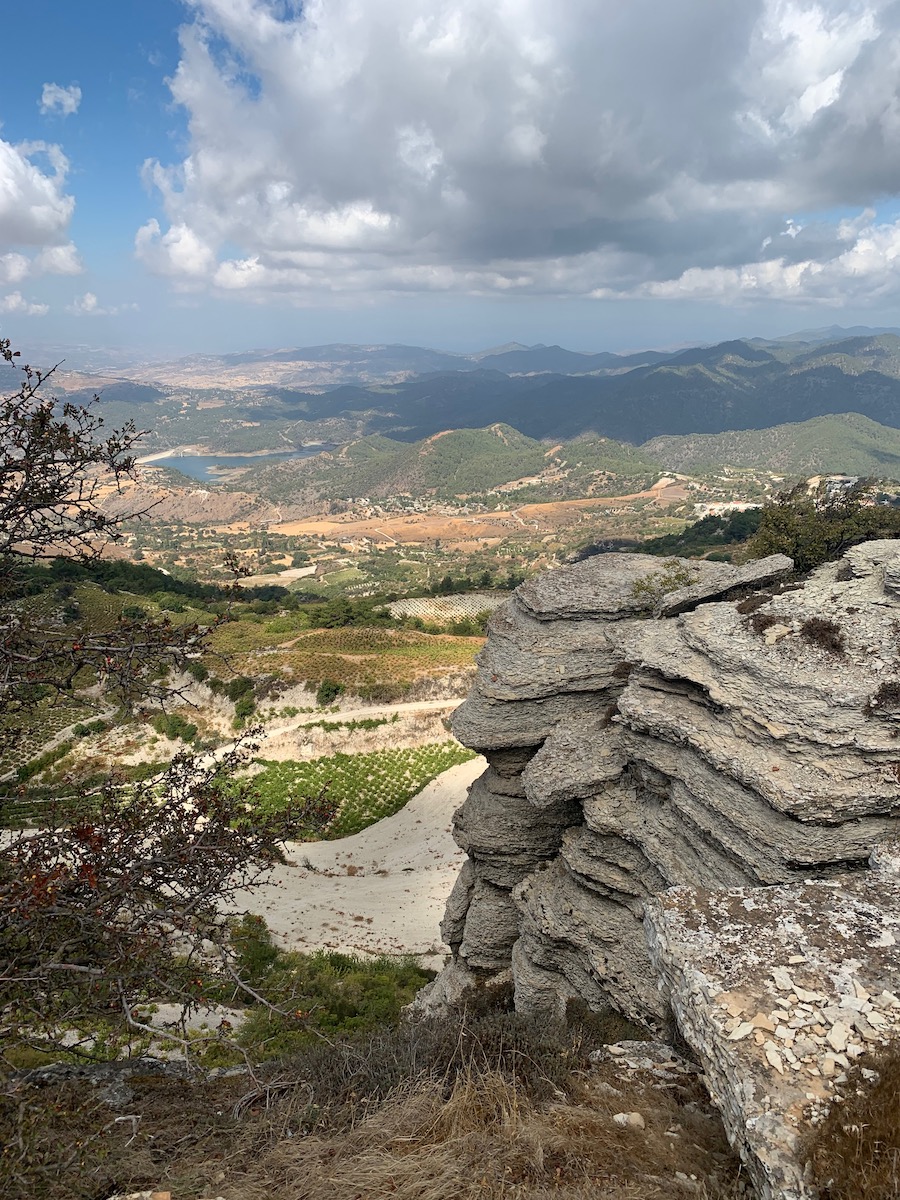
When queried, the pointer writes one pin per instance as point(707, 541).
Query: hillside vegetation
point(846, 443)
point(456, 462)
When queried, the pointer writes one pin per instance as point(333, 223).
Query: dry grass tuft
point(826, 634)
point(495, 1107)
point(752, 604)
point(489, 1140)
point(855, 1153)
point(759, 622)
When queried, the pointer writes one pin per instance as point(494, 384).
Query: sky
point(181, 176)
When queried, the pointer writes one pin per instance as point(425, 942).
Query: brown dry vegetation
point(492, 1108)
point(855, 1154)
point(467, 532)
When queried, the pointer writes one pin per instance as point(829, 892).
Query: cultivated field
point(442, 609)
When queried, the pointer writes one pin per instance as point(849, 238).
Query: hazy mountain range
point(545, 392)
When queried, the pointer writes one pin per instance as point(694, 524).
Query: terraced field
point(443, 609)
point(375, 663)
point(367, 787)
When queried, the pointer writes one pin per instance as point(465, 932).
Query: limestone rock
point(757, 776)
point(491, 928)
point(629, 755)
point(815, 956)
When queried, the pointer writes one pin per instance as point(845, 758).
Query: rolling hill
point(456, 462)
point(847, 443)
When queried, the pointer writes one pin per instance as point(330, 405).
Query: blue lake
point(206, 467)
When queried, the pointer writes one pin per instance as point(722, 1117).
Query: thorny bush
point(56, 463)
point(119, 901)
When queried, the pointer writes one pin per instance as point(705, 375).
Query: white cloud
point(34, 207)
point(59, 260)
point(584, 148)
point(89, 306)
point(13, 268)
point(16, 303)
point(866, 270)
point(35, 212)
point(61, 100)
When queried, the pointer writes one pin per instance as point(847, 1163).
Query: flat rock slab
point(603, 587)
point(777, 991)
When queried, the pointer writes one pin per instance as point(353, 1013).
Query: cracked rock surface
point(690, 814)
point(736, 730)
point(778, 990)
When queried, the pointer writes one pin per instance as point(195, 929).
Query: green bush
point(85, 729)
point(327, 692)
point(244, 707)
point(237, 687)
point(325, 992)
point(42, 762)
point(173, 726)
point(818, 528)
point(255, 950)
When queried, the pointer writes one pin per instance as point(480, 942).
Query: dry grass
point(489, 1140)
point(855, 1154)
point(493, 1108)
point(826, 634)
point(761, 621)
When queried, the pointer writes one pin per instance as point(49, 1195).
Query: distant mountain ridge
point(702, 390)
point(344, 363)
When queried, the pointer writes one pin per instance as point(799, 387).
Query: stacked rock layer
point(651, 724)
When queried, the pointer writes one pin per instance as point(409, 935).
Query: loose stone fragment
point(631, 1120)
point(742, 1030)
point(761, 1021)
point(837, 1036)
point(773, 1058)
point(782, 979)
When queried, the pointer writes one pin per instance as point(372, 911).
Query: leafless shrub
point(759, 622)
point(117, 899)
point(752, 603)
point(885, 700)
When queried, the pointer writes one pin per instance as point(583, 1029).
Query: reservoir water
point(206, 468)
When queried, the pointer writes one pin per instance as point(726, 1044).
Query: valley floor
point(381, 891)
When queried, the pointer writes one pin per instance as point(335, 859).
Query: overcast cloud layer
point(587, 147)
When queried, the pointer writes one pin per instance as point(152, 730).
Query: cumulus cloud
point(59, 260)
point(89, 306)
point(13, 268)
point(35, 212)
point(34, 207)
point(16, 303)
point(63, 101)
point(584, 148)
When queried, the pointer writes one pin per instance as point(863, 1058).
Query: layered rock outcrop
point(742, 733)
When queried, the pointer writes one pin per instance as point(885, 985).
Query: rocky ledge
point(779, 990)
point(653, 725)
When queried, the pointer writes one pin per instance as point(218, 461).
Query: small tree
point(817, 527)
point(119, 900)
point(115, 899)
point(56, 463)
